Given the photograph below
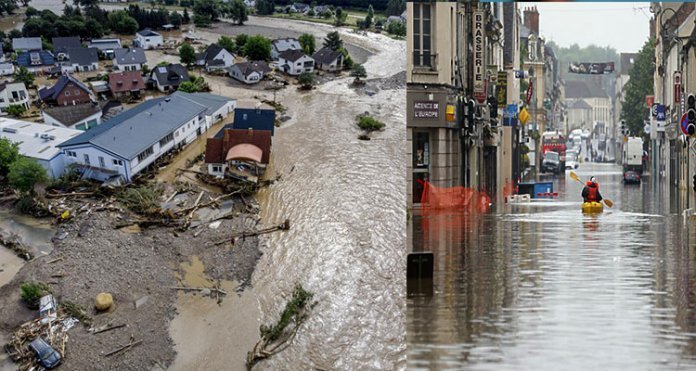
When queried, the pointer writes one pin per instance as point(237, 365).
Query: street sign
point(530, 89)
point(501, 91)
point(479, 57)
point(524, 116)
point(660, 112)
point(684, 122)
point(510, 115)
point(649, 101)
point(677, 87)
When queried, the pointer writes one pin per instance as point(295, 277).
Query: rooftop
point(286, 44)
point(70, 115)
point(37, 141)
point(135, 130)
point(292, 54)
point(54, 91)
point(27, 43)
point(130, 56)
point(60, 44)
point(83, 56)
point(126, 81)
point(148, 32)
point(326, 55)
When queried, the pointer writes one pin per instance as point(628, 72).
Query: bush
point(142, 200)
point(369, 124)
point(32, 293)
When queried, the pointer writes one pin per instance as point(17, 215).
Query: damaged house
point(239, 154)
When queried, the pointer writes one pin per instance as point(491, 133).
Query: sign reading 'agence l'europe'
point(426, 110)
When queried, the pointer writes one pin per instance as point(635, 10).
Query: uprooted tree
point(275, 338)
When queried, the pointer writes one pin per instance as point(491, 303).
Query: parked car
point(551, 163)
point(631, 177)
point(47, 309)
point(571, 160)
point(47, 356)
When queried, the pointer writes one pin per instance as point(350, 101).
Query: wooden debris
point(59, 258)
point(215, 290)
point(72, 194)
point(124, 348)
point(280, 227)
point(108, 328)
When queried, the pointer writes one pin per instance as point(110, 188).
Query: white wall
point(149, 42)
point(297, 67)
point(94, 153)
point(127, 67)
point(225, 56)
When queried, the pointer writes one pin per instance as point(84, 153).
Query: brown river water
point(542, 287)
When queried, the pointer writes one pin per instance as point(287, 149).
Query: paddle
point(606, 200)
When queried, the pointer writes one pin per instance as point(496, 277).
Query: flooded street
point(345, 200)
point(535, 286)
point(35, 234)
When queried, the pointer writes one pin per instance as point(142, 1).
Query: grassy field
point(353, 17)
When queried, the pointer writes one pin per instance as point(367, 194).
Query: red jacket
point(591, 192)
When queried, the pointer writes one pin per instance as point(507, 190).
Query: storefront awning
point(244, 151)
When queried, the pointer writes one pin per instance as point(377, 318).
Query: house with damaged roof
point(238, 153)
point(128, 143)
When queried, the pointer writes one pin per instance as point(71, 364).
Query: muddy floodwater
point(33, 233)
point(542, 286)
point(345, 199)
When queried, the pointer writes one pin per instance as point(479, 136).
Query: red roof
point(126, 81)
point(217, 149)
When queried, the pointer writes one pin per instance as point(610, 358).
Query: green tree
point(258, 48)
point(306, 80)
point(7, 7)
point(187, 54)
point(395, 7)
point(227, 43)
point(201, 20)
point(308, 42)
point(240, 40)
point(186, 17)
point(396, 28)
point(86, 3)
point(16, 110)
point(265, 7)
point(187, 87)
point(176, 19)
point(120, 22)
point(9, 153)
point(333, 41)
point(358, 71)
point(238, 12)
point(341, 16)
point(25, 173)
point(23, 75)
point(370, 16)
point(31, 12)
point(640, 84)
point(197, 84)
point(208, 8)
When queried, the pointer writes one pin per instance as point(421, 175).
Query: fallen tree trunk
point(280, 227)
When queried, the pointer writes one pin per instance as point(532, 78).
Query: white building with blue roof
point(130, 142)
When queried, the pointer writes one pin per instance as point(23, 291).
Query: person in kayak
point(591, 191)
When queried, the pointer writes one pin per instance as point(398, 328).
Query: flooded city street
point(539, 285)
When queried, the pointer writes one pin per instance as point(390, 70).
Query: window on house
point(217, 168)
point(101, 162)
point(71, 154)
point(166, 140)
point(67, 93)
point(77, 92)
point(421, 35)
point(86, 159)
point(117, 162)
point(145, 154)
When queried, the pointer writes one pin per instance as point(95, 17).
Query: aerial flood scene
point(203, 184)
point(347, 185)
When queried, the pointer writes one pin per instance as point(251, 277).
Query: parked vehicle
point(632, 157)
point(571, 160)
point(553, 141)
point(48, 309)
point(631, 177)
point(47, 356)
point(551, 163)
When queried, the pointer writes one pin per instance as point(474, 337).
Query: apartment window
point(421, 35)
point(101, 162)
point(166, 139)
point(217, 168)
point(86, 159)
point(145, 154)
point(71, 154)
point(118, 163)
point(67, 93)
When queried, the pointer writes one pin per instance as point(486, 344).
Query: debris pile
point(55, 333)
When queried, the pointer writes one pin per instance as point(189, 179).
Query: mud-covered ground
point(129, 265)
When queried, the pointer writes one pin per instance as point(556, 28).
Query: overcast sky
point(624, 26)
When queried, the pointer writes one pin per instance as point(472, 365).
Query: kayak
point(592, 207)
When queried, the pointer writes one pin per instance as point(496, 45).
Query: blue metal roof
point(254, 118)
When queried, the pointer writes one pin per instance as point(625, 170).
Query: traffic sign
point(649, 100)
point(684, 122)
point(660, 112)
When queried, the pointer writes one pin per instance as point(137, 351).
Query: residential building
point(592, 93)
point(217, 107)
point(126, 83)
point(328, 59)
point(2, 54)
point(129, 59)
point(36, 61)
point(256, 118)
point(127, 144)
point(295, 62)
point(230, 145)
point(80, 60)
point(250, 3)
point(167, 78)
point(214, 58)
point(579, 114)
point(299, 8)
point(26, 44)
point(249, 72)
point(7, 69)
point(148, 39)
point(13, 93)
point(80, 116)
point(107, 47)
point(433, 69)
point(61, 45)
point(38, 142)
point(67, 90)
point(280, 45)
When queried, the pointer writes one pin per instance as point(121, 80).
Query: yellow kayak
point(592, 207)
